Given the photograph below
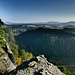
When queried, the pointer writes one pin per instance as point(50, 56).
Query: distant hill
point(50, 22)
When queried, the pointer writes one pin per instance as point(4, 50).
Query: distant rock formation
point(37, 66)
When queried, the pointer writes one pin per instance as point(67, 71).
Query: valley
point(55, 40)
point(56, 44)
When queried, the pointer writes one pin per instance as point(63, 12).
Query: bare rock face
point(37, 66)
point(10, 53)
point(7, 60)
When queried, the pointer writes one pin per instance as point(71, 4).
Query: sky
point(28, 11)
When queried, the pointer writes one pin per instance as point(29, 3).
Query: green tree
point(2, 35)
point(15, 52)
point(28, 56)
point(73, 73)
point(64, 70)
point(22, 55)
point(25, 55)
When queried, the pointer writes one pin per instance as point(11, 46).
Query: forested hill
point(56, 44)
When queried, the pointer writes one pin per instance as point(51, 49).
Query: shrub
point(64, 70)
point(18, 61)
point(25, 55)
point(22, 55)
point(15, 52)
point(2, 35)
point(73, 73)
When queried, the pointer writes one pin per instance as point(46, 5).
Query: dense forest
point(56, 45)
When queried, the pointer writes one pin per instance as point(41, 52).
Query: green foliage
point(10, 34)
point(15, 52)
point(28, 56)
point(2, 35)
point(73, 73)
point(22, 55)
point(25, 55)
point(13, 45)
point(64, 70)
point(18, 61)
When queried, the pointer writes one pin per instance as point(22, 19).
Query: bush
point(73, 73)
point(64, 70)
point(28, 56)
point(18, 61)
point(22, 55)
point(2, 35)
point(15, 52)
point(25, 55)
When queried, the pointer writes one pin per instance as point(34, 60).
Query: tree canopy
point(2, 35)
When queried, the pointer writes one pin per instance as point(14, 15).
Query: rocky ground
point(37, 66)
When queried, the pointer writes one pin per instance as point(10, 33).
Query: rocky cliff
point(7, 60)
point(37, 66)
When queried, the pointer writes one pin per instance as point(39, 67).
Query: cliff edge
point(37, 66)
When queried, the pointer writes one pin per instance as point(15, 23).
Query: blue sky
point(24, 11)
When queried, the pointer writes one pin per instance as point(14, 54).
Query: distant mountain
point(18, 28)
point(51, 22)
point(71, 23)
point(9, 23)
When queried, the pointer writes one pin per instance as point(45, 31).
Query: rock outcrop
point(7, 60)
point(10, 53)
point(37, 66)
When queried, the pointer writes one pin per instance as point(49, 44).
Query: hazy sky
point(37, 10)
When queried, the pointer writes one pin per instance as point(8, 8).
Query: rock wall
point(37, 66)
point(10, 54)
point(7, 60)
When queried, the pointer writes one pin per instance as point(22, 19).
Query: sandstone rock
point(31, 64)
point(6, 64)
point(41, 67)
point(10, 53)
point(7, 60)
